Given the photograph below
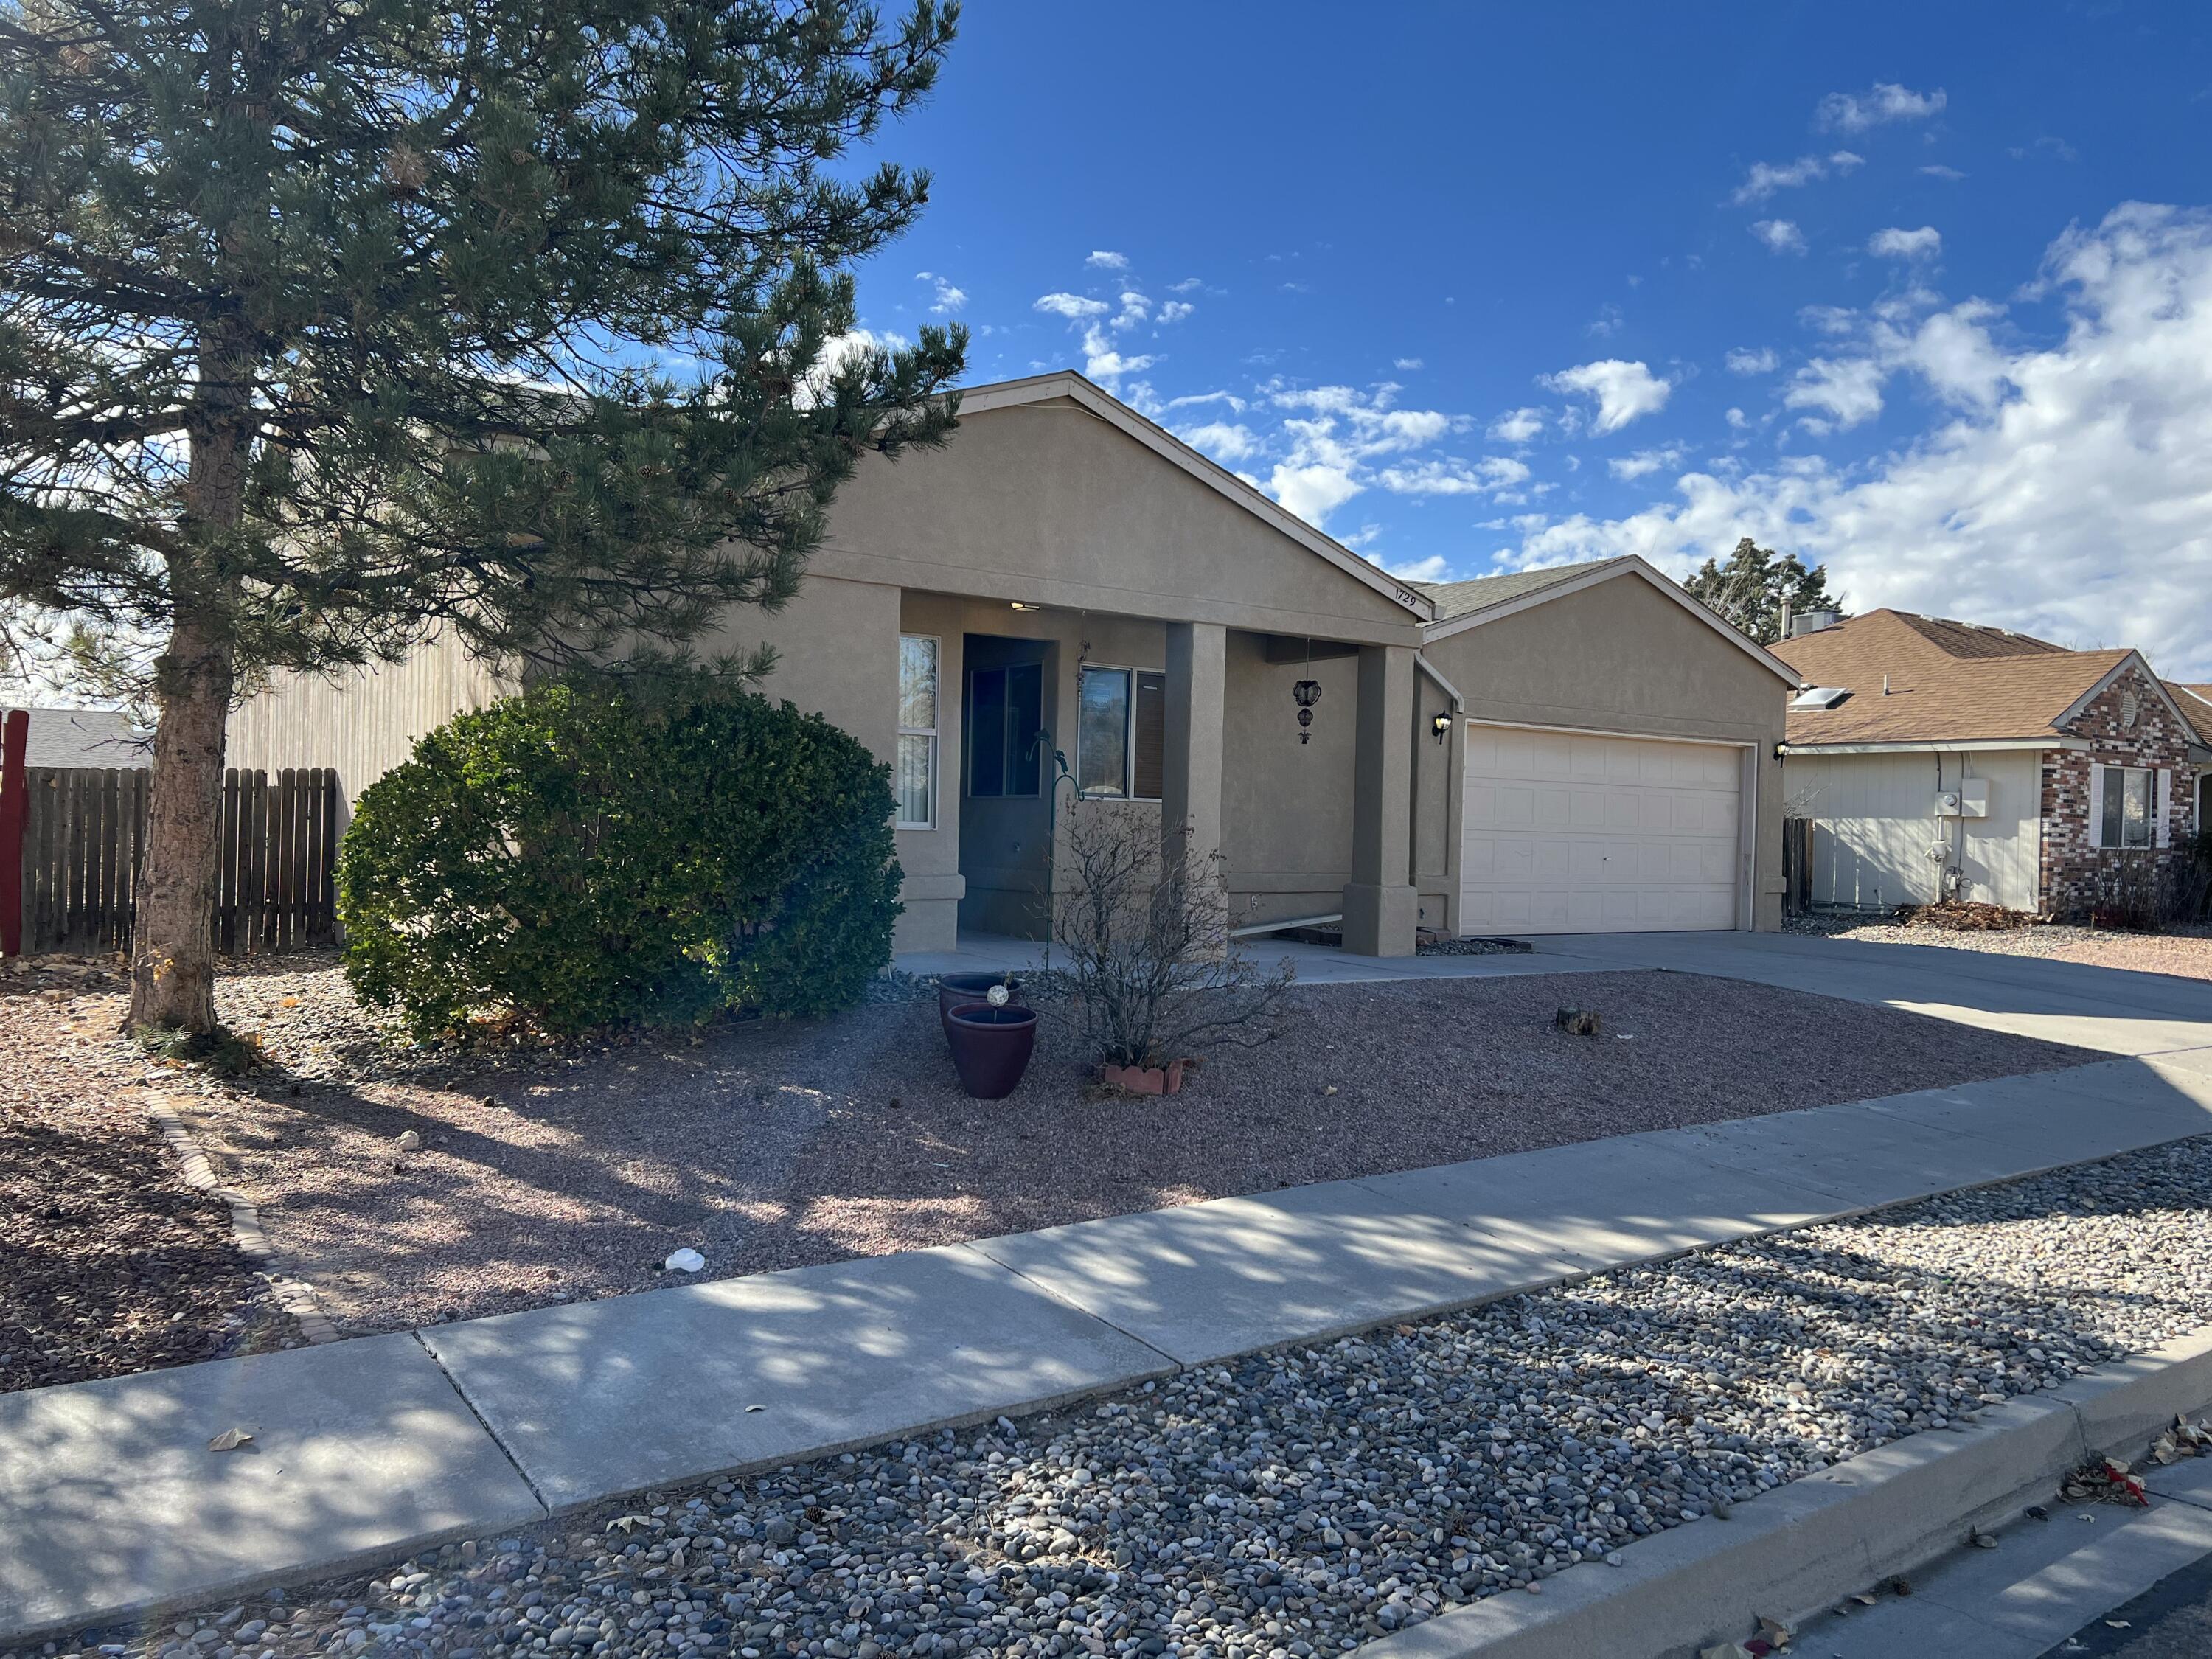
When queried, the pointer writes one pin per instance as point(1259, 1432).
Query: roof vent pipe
point(1813, 621)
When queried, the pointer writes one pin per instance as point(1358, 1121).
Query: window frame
point(1130, 671)
point(2112, 802)
point(930, 731)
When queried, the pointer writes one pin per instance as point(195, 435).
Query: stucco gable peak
point(1065, 385)
point(1580, 578)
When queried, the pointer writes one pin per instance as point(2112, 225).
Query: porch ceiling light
point(1305, 694)
point(1019, 604)
point(1442, 726)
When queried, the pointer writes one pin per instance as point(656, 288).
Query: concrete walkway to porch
point(367, 1451)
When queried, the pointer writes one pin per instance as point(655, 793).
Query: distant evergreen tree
point(328, 325)
point(1750, 588)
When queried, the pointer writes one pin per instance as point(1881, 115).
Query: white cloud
point(1198, 399)
point(2074, 502)
point(1104, 364)
point(1937, 170)
point(1894, 243)
point(1407, 363)
point(1744, 361)
point(948, 298)
point(1845, 112)
point(1188, 285)
point(1780, 235)
point(1070, 306)
point(1845, 391)
point(1175, 310)
point(1314, 491)
point(1516, 426)
point(1135, 308)
point(1228, 442)
point(1453, 477)
point(1828, 320)
point(1103, 259)
point(1623, 391)
point(1646, 461)
point(1767, 177)
point(1434, 568)
point(838, 350)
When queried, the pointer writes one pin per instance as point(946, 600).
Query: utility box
point(1970, 799)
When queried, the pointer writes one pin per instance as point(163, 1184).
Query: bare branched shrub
point(1145, 929)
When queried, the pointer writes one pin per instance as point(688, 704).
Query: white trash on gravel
point(685, 1260)
point(1299, 1502)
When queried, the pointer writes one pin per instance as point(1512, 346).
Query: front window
point(916, 778)
point(2130, 802)
point(1121, 732)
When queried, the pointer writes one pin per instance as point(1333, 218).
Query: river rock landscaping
point(1299, 1502)
point(548, 1174)
point(2184, 951)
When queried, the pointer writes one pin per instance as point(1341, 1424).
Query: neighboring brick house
point(1939, 759)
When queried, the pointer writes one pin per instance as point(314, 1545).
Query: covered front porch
point(1016, 714)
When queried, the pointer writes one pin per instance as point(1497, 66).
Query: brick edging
point(296, 1296)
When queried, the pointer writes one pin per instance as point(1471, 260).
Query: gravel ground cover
point(550, 1175)
point(108, 1262)
point(2186, 952)
point(1299, 1502)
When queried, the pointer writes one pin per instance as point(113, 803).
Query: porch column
point(1190, 783)
point(1381, 907)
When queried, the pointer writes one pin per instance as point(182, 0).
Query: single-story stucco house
point(1568, 749)
point(1939, 757)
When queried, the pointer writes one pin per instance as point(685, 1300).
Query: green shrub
point(581, 859)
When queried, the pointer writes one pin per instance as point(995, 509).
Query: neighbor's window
point(916, 780)
point(2130, 806)
point(1006, 712)
point(1121, 732)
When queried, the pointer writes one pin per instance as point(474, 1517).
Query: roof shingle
point(1947, 682)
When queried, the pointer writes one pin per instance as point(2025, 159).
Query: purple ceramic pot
point(957, 990)
point(991, 1047)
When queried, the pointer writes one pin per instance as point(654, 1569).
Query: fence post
point(15, 814)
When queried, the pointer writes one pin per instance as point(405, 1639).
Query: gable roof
point(101, 737)
point(1472, 604)
point(1067, 384)
point(2195, 703)
point(1948, 682)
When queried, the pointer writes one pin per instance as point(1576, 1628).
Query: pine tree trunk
point(172, 955)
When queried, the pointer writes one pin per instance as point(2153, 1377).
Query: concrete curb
point(296, 1296)
point(1802, 1548)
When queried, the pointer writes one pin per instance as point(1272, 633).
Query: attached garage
point(1570, 832)
point(1602, 759)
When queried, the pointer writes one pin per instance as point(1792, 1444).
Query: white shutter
point(2164, 807)
point(2096, 804)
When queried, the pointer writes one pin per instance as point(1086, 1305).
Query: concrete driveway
point(2109, 1009)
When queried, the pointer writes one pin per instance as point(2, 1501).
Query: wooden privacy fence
point(82, 838)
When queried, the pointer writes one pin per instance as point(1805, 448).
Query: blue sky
point(1924, 292)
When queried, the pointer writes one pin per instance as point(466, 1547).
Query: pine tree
point(1749, 590)
point(329, 325)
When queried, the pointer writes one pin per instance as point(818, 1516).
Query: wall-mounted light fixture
point(1017, 605)
point(1442, 726)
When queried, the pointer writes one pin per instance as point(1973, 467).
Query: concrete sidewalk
point(369, 1449)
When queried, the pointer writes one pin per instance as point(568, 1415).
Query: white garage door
point(1568, 834)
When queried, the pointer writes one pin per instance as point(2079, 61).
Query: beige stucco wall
point(1621, 657)
point(1875, 821)
point(1049, 504)
point(1286, 807)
